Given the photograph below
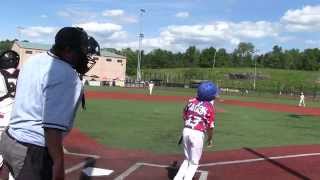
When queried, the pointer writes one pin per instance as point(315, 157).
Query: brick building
point(109, 67)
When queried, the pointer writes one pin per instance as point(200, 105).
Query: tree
point(131, 60)
point(292, 57)
point(243, 54)
point(223, 59)
point(159, 58)
point(310, 59)
point(207, 57)
point(191, 57)
point(5, 45)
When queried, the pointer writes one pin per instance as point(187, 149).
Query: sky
point(168, 24)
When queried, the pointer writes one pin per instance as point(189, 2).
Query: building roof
point(106, 53)
point(30, 45)
point(40, 46)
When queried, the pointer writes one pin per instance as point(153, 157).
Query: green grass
point(156, 126)
point(290, 100)
point(134, 125)
point(246, 127)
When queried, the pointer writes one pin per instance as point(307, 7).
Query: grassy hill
point(267, 80)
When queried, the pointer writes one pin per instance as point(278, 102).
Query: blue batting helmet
point(207, 91)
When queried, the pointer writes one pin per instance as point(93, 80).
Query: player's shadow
point(297, 116)
point(172, 170)
point(90, 162)
point(278, 164)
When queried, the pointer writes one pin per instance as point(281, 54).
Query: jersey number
point(192, 121)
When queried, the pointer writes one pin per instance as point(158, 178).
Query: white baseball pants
point(193, 145)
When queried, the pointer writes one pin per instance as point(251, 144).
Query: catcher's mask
point(9, 59)
point(83, 45)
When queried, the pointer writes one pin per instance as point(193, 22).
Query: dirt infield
point(292, 162)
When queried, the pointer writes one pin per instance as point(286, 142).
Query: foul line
point(258, 159)
point(203, 174)
point(79, 165)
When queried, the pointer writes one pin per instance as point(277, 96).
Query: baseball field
point(135, 135)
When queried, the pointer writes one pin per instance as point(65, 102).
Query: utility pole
point(142, 11)
point(214, 59)
point(255, 70)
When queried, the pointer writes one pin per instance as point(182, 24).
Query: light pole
point(142, 11)
point(214, 59)
point(255, 71)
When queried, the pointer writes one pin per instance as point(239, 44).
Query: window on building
point(109, 60)
point(28, 52)
point(119, 61)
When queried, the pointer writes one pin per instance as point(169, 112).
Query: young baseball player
point(150, 85)
point(301, 102)
point(198, 116)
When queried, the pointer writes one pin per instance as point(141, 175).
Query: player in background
point(198, 116)
point(301, 102)
point(9, 61)
point(150, 86)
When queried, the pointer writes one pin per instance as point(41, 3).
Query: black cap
point(72, 37)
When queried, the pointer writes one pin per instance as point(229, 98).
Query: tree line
point(244, 55)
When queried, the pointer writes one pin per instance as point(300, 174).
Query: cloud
point(220, 33)
point(104, 32)
point(306, 19)
point(182, 14)
point(77, 14)
point(174, 37)
point(44, 16)
point(119, 15)
point(113, 12)
point(255, 30)
point(119, 35)
point(95, 27)
point(312, 43)
point(37, 31)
